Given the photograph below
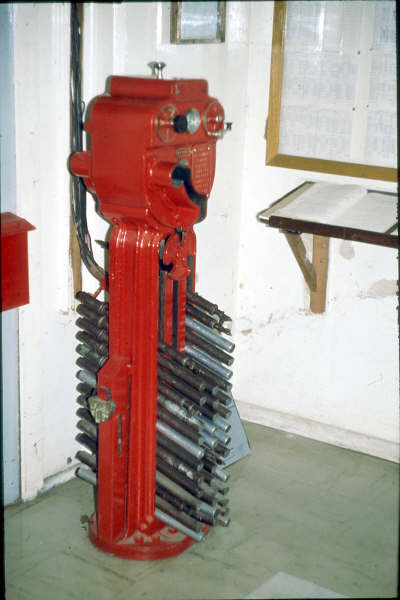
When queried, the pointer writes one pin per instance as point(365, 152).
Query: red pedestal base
point(165, 543)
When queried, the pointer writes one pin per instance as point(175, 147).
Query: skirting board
point(59, 478)
point(321, 432)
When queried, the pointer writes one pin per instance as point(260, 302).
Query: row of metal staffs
point(192, 411)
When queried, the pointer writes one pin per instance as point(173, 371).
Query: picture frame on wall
point(332, 96)
point(197, 22)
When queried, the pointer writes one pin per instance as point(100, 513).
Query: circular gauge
point(165, 123)
point(213, 119)
point(193, 120)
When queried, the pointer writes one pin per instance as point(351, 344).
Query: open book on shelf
point(344, 205)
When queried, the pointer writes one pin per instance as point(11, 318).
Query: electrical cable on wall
point(78, 201)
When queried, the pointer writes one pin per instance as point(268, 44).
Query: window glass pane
point(199, 21)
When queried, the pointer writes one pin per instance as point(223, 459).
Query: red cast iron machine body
point(151, 166)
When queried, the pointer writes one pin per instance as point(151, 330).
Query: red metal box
point(14, 261)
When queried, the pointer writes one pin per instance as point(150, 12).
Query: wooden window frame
point(304, 163)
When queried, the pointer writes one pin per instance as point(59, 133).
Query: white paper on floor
point(284, 585)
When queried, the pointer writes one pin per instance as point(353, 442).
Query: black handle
point(180, 124)
point(184, 174)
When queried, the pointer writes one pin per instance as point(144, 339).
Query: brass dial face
point(213, 119)
point(165, 123)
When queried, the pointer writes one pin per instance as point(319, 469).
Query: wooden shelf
point(282, 215)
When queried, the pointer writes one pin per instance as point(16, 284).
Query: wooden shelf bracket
point(315, 273)
point(293, 215)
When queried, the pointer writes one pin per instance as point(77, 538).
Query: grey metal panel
point(239, 445)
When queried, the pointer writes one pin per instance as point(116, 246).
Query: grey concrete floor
point(300, 509)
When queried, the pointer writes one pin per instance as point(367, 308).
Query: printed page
point(374, 212)
point(323, 202)
point(339, 82)
point(343, 205)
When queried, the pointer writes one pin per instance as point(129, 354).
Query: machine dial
point(193, 120)
point(213, 119)
point(165, 123)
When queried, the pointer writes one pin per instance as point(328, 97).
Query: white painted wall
point(9, 318)
point(47, 388)
point(293, 370)
point(332, 376)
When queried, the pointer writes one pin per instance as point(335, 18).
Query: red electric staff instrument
point(154, 388)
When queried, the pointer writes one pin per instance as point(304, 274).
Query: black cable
point(78, 201)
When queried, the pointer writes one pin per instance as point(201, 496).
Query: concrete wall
point(319, 375)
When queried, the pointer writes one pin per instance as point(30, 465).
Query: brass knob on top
point(157, 69)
